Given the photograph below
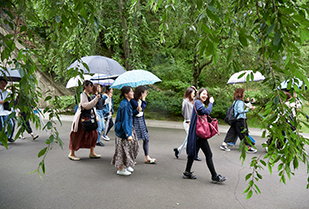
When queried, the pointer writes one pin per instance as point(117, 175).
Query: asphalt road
point(93, 183)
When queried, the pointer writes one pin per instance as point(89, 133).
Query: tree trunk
point(126, 44)
point(197, 68)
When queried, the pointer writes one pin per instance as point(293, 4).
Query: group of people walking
point(7, 122)
point(130, 125)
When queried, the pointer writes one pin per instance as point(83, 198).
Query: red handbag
point(206, 127)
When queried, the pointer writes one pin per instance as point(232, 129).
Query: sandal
point(151, 161)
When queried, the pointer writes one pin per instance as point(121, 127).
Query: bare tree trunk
point(197, 68)
point(126, 44)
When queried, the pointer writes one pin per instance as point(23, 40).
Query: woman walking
point(239, 127)
point(187, 107)
point(97, 89)
point(108, 111)
point(125, 140)
point(78, 137)
point(196, 143)
point(139, 104)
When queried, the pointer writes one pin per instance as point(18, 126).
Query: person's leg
point(100, 126)
point(204, 145)
point(110, 125)
point(183, 145)
point(241, 129)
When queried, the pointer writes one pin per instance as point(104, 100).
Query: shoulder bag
point(89, 124)
point(206, 127)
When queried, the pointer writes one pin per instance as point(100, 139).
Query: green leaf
point(270, 29)
point(58, 19)
point(277, 37)
point(249, 195)
point(42, 152)
point(248, 176)
point(48, 98)
point(257, 188)
point(243, 40)
point(229, 54)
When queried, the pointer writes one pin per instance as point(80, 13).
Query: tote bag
point(206, 127)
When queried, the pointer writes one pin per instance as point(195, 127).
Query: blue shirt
point(124, 120)
point(239, 108)
point(106, 106)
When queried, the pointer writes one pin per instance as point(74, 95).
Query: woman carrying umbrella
point(108, 111)
point(97, 89)
point(139, 104)
point(78, 137)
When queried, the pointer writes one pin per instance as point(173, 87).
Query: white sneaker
point(106, 138)
point(252, 150)
point(123, 172)
point(21, 137)
point(130, 169)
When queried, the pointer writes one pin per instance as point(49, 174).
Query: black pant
point(204, 145)
point(109, 125)
point(26, 123)
point(237, 129)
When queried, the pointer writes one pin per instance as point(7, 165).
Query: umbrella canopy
point(10, 75)
point(73, 82)
point(104, 80)
point(135, 78)
point(235, 78)
point(295, 83)
point(98, 64)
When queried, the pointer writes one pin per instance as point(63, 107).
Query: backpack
point(229, 117)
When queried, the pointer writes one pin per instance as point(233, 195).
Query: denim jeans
point(11, 123)
point(101, 124)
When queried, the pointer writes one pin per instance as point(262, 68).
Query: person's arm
point(144, 104)
point(134, 105)
point(186, 111)
point(125, 122)
point(85, 103)
point(201, 109)
point(239, 106)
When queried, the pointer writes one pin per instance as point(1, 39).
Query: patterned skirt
point(125, 151)
point(140, 128)
point(82, 139)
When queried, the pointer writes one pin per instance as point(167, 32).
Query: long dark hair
point(198, 97)
point(138, 92)
point(188, 93)
point(125, 90)
point(107, 89)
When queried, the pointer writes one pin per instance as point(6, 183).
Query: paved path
point(93, 183)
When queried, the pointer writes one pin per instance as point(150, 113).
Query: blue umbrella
point(98, 64)
point(135, 78)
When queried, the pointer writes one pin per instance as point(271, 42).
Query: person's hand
point(139, 109)
point(247, 99)
point(211, 100)
point(144, 95)
point(98, 95)
point(110, 95)
point(130, 138)
point(252, 107)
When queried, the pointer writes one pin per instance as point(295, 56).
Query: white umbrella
point(73, 82)
point(237, 78)
point(103, 79)
point(295, 82)
point(10, 74)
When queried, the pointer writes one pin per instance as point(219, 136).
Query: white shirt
point(3, 96)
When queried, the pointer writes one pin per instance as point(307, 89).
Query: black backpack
point(229, 117)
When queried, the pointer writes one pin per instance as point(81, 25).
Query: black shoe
point(188, 175)
point(100, 144)
point(218, 179)
point(198, 159)
point(176, 152)
point(11, 140)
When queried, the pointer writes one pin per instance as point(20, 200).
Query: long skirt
point(125, 151)
point(140, 128)
point(82, 139)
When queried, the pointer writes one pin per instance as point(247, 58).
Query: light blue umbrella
point(135, 78)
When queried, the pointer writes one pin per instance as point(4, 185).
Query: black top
point(100, 103)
